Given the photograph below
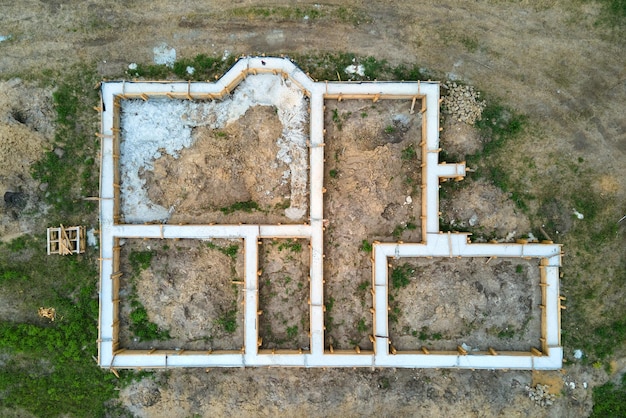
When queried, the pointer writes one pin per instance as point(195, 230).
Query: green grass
point(48, 367)
point(613, 13)
point(331, 66)
point(609, 400)
point(71, 177)
point(140, 324)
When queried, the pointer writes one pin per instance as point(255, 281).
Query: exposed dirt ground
point(372, 182)
point(546, 58)
point(188, 290)
point(284, 293)
point(225, 167)
point(478, 302)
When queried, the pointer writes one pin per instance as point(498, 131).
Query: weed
point(519, 269)
point(363, 115)
point(18, 244)
point(360, 326)
point(329, 305)
point(293, 246)
point(400, 276)
point(384, 383)
point(228, 320)
point(394, 313)
point(366, 246)
point(471, 44)
point(399, 229)
point(282, 205)
point(333, 173)
point(141, 326)
point(506, 334)
point(247, 206)
point(292, 332)
point(609, 400)
point(363, 286)
point(389, 129)
point(231, 251)
point(337, 119)
point(409, 153)
point(140, 260)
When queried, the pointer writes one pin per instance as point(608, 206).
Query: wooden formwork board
point(372, 96)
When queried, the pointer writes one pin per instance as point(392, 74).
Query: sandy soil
point(544, 57)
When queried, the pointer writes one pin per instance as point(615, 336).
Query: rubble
point(540, 395)
point(463, 103)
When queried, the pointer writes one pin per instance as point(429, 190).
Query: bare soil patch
point(223, 168)
point(189, 290)
point(373, 179)
point(485, 210)
point(284, 293)
point(476, 301)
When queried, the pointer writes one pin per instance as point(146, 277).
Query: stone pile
point(463, 103)
point(540, 395)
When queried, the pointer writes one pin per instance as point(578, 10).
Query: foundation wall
point(548, 355)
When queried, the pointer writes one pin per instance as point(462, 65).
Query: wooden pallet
point(66, 240)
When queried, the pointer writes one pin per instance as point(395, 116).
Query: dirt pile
point(223, 167)
point(25, 132)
